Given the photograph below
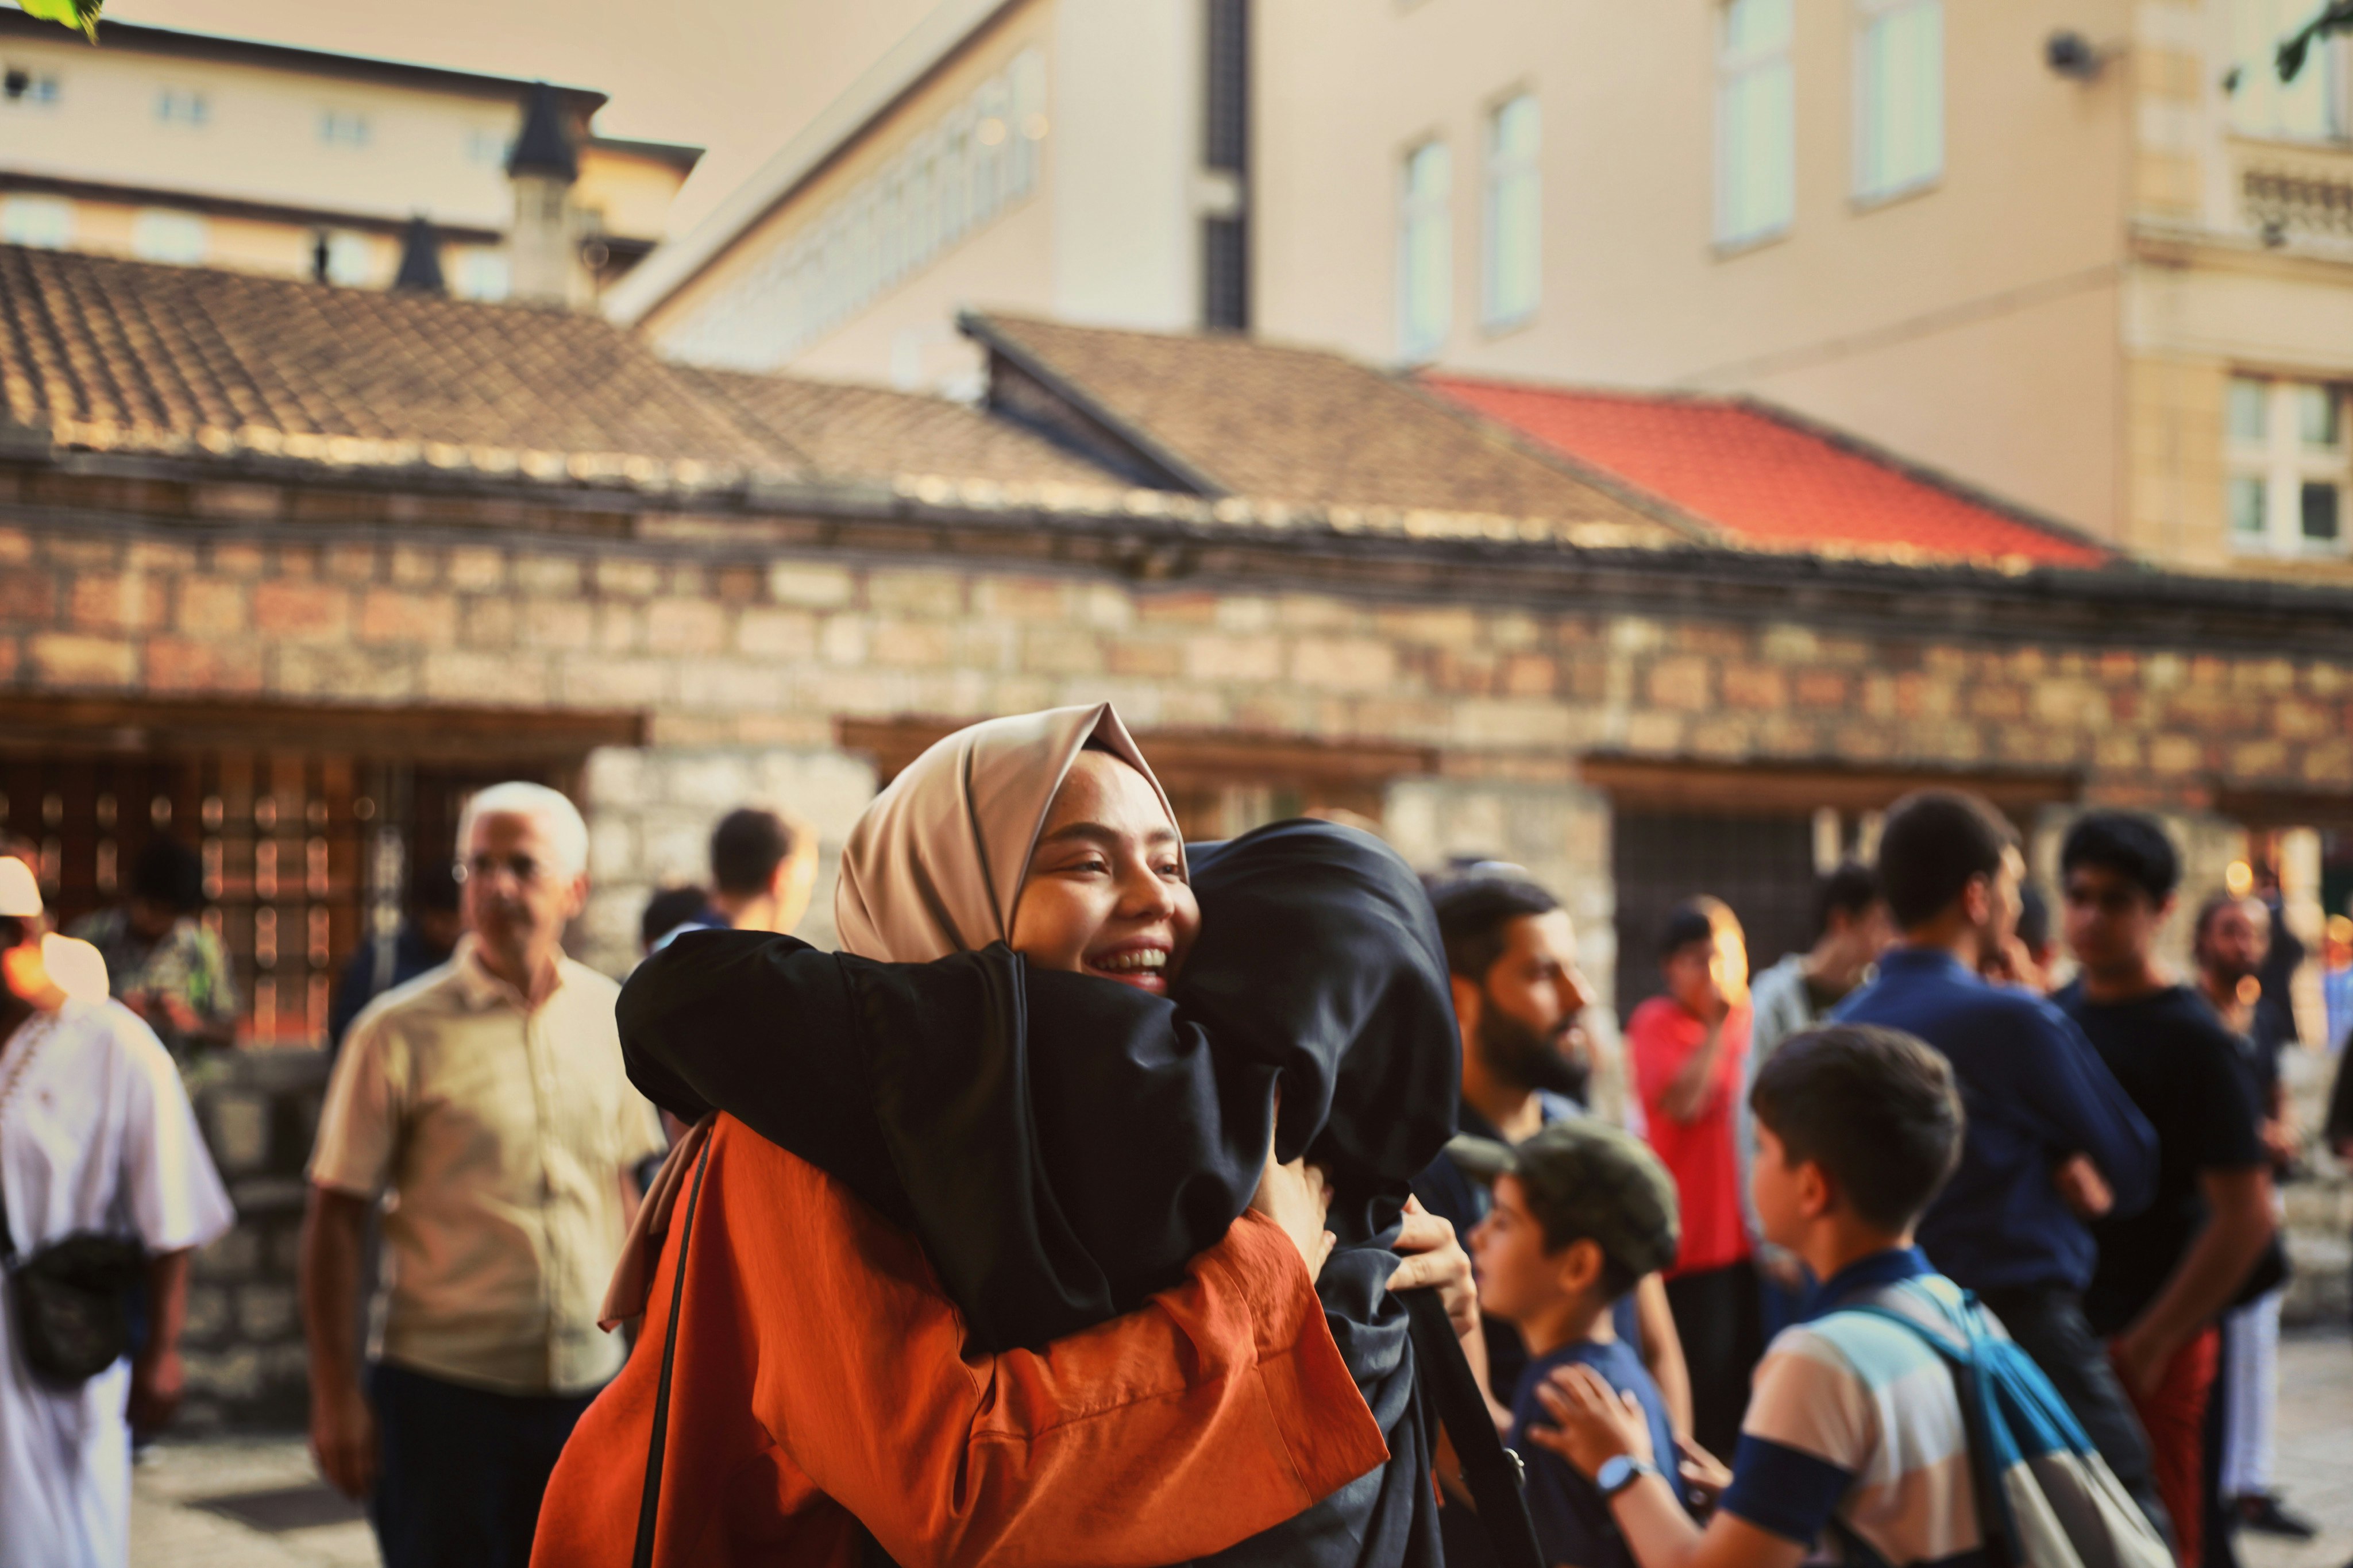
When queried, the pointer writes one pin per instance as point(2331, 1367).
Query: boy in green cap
point(1582, 1212)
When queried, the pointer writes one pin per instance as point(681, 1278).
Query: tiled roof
point(1307, 428)
point(1768, 480)
point(105, 352)
point(867, 432)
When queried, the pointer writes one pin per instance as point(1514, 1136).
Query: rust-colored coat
point(821, 1374)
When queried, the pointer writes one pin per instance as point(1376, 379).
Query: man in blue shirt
point(2053, 1141)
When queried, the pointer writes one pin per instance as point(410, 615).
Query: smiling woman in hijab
point(1070, 1156)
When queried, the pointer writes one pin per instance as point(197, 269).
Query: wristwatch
point(1620, 1471)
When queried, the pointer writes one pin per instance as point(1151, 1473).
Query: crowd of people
point(1085, 1207)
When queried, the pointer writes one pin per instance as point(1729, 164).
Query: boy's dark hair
point(1932, 842)
point(2133, 846)
point(1473, 915)
point(1849, 890)
point(1874, 1108)
point(2034, 917)
point(1615, 1281)
point(668, 909)
point(746, 847)
point(1692, 920)
point(169, 873)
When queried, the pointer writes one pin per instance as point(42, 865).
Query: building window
point(488, 148)
point(45, 222)
point(181, 106)
point(1756, 122)
point(160, 234)
point(343, 127)
point(2288, 466)
point(351, 259)
point(1425, 251)
point(18, 85)
point(1514, 269)
point(1225, 153)
point(484, 275)
point(1899, 96)
point(2313, 106)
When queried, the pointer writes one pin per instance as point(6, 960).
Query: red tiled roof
point(1767, 479)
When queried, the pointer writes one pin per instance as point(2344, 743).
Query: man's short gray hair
point(559, 820)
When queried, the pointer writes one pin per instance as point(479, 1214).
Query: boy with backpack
point(1895, 1420)
point(1582, 1212)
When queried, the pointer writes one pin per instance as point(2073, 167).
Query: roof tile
point(1768, 480)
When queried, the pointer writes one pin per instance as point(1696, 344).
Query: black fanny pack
point(69, 1302)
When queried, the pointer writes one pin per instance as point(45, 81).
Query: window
point(2288, 466)
point(2312, 107)
point(489, 148)
point(1515, 211)
point(484, 275)
point(1425, 252)
point(351, 259)
point(19, 85)
point(181, 106)
point(46, 222)
point(159, 234)
point(343, 127)
point(1756, 124)
point(1899, 96)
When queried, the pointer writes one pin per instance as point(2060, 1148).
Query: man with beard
point(1518, 993)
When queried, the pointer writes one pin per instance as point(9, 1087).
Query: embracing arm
point(1219, 1409)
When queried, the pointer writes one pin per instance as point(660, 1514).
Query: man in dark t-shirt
point(2166, 1274)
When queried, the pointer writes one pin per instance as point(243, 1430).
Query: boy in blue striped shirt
point(1855, 1430)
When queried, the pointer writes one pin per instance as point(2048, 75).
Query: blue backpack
point(2046, 1496)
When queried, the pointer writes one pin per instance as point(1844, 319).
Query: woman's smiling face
point(1105, 892)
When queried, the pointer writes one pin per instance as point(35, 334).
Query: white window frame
point(2285, 464)
point(1870, 188)
point(351, 259)
point(1510, 176)
point(484, 273)
point(1737, 69)
point(345, 128)
point(182, 106)
point(170, 235)
point(2259, 102)
point(1432, 212)
point(42, 223)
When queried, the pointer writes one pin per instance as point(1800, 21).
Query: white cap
point(20, 894)
point(74, 967)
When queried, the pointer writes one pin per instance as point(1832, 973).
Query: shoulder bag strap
point(650, 1502)
point(1489, 1470)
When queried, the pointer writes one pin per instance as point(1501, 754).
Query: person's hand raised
point(1296, 1196)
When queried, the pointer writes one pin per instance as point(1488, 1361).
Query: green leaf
point(78, 14)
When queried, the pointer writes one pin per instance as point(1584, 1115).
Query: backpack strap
point(1491, 1470)
point(1994, 1522)
point(650, 1500)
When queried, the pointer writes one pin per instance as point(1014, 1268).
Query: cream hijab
point(935, 865)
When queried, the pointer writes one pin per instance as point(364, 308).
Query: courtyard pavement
point(256, 1502)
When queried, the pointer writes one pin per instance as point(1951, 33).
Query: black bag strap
point(650, 1502)
point(1491, 1471)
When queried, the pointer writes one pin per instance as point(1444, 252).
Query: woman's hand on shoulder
point(1297, 1198)
point(1434, 1256)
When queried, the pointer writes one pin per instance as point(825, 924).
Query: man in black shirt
point(2166, 1274)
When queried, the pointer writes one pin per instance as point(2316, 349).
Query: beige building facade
point(203, 150)
point(2090, 255)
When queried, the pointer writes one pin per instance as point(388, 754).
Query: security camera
point(2069, 54)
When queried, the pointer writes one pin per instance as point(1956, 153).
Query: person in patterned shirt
point(164, 965)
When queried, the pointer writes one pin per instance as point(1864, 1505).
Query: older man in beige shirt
point(488, 1096)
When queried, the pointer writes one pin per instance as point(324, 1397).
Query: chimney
point(544, 246)
point(420, 260)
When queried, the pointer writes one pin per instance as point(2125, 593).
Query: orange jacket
point(821, 1374)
